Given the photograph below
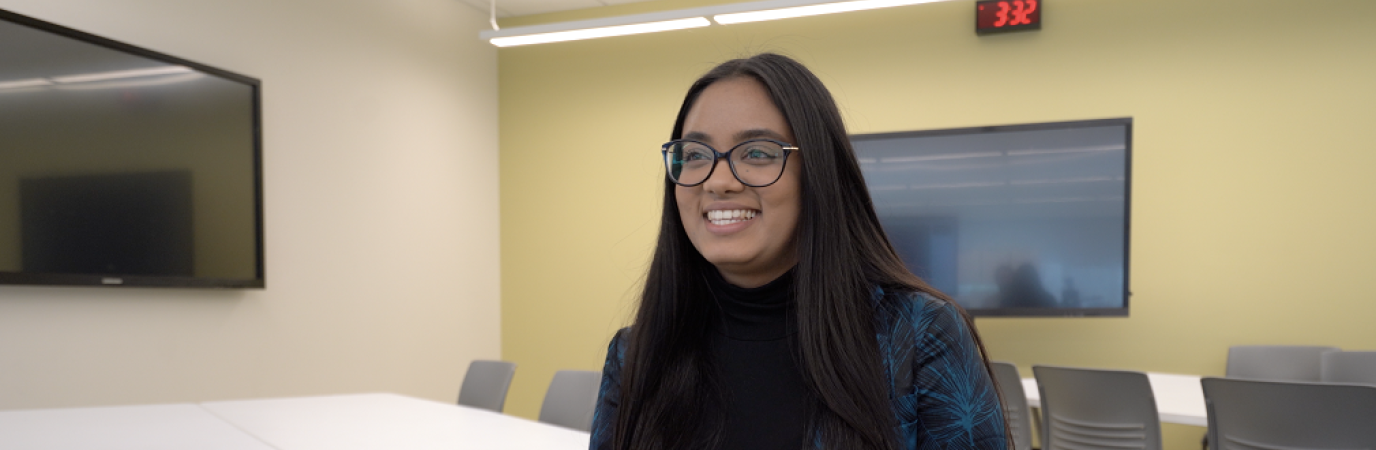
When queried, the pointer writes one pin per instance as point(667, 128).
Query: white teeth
point(726, 217)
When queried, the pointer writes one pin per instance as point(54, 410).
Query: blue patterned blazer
point(941, 394)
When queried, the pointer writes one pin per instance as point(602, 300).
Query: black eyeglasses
point(756, 162)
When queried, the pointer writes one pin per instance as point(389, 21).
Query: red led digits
point(993, 16)
point(1024, 9)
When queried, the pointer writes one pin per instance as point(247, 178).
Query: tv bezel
point(119, 280)
point(1126, 122)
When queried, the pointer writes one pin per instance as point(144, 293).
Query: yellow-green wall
point(1253, 195)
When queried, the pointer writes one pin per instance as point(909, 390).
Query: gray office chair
point(1092, 408)
point(486, 383)
point(571, 398)
point(1015, 409)
point(1348, 367)
point(1275, 362)
point(1287, 415)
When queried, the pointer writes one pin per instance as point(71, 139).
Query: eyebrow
point(740, 136)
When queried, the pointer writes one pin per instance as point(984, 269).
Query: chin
point(725, 258)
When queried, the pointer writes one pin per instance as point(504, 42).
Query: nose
point(722, 181)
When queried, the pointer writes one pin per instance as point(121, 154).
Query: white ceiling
point(512, 8)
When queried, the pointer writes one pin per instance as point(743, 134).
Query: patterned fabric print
point(609, 395)
point(942, 395)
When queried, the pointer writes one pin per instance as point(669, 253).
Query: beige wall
point(380, 167)
point(1253, 200)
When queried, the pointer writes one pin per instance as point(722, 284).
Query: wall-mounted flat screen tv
point(1020, 220)
point(121, 166)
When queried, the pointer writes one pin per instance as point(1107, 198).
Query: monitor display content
point(123, 166)
point(1023, 220)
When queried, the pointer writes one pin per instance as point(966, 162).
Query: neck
point(754, 314)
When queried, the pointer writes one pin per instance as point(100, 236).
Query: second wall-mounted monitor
point(1019, 220)
point(122, 166)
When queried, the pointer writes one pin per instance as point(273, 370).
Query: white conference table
point(388, 421)
point(1179, 398)
point(143, 427)
point(340, 422)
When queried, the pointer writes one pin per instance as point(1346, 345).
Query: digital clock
point(997, 16)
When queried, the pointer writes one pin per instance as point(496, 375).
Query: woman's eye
point(696, 156)
point(758, 154)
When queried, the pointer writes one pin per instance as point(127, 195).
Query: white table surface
point(1179, 398)
point(388, 421)
point(145, 427)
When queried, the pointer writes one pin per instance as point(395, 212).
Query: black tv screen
point(121, 166)
point(1020, 220)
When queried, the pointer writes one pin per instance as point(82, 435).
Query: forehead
point(731, 109)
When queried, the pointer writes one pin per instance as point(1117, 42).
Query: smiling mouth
point(730, 216)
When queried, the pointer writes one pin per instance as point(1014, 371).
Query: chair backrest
point(1275, 362)
point(571, 398)
point(1092, 408)
point(1348, 367)
point(486, 383)
point(1015, 410)
point(1258, 414)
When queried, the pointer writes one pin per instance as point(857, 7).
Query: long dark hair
point(667, 387)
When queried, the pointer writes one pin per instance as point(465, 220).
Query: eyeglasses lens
point(689, 162)
point(756, 163)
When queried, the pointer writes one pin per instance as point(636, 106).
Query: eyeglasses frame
point(717, 156)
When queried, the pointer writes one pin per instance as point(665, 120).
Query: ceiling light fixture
point(589, 33)
point(812, 10)
point(679, 19)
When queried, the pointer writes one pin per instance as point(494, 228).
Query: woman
point(775, 314)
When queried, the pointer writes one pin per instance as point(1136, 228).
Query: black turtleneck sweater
point(753, 341)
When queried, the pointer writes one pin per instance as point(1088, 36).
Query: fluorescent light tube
point(811, 10)
point(678, 19)
point(20, 84)
point(118, 74)
point(590, 33)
